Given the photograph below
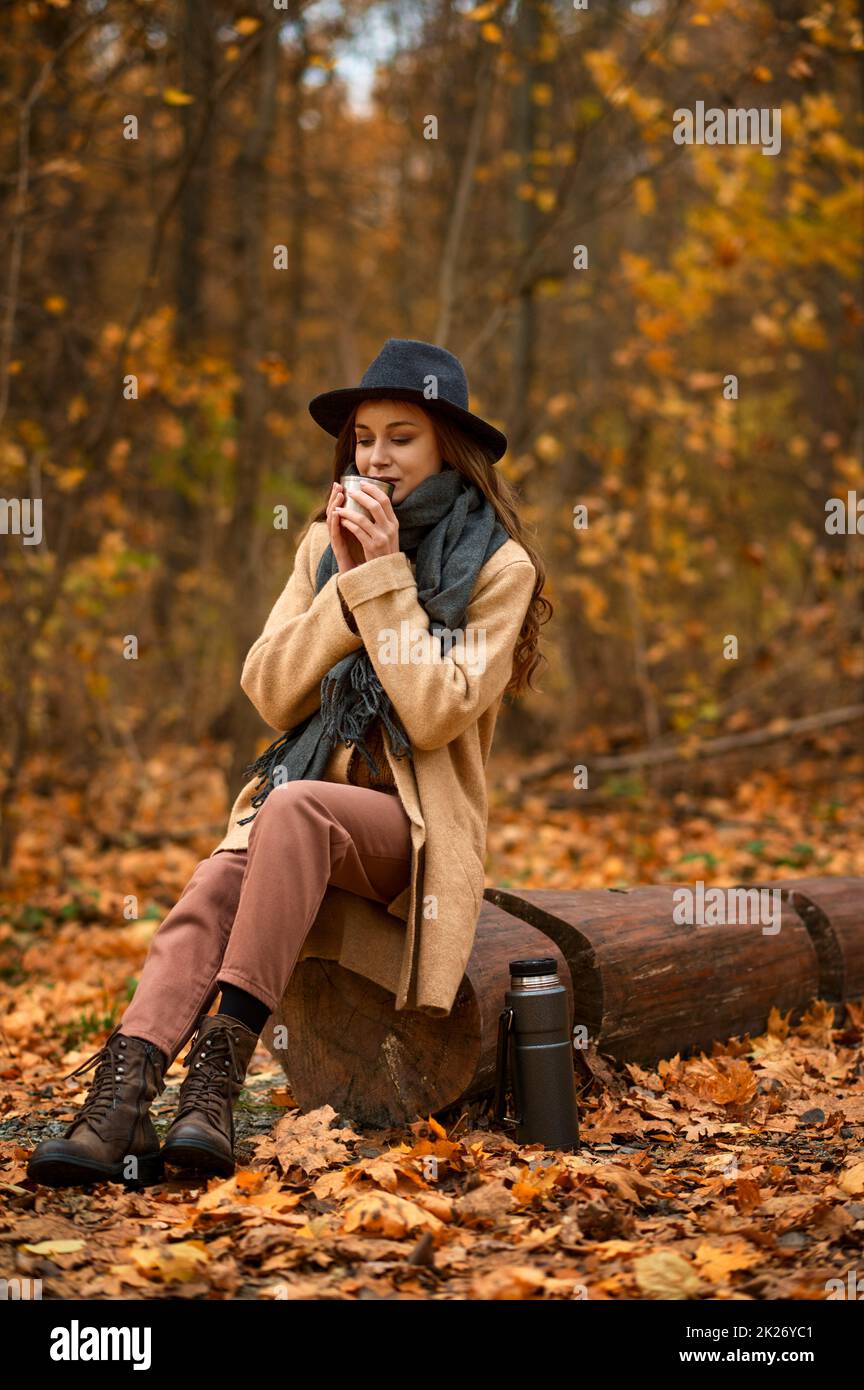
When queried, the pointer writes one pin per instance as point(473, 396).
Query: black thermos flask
point(535, 1048)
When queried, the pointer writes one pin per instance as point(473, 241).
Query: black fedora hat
point(410, 370)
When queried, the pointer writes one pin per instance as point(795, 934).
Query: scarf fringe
point(265, 763)
point(349, 723)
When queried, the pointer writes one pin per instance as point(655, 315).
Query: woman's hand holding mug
point(377, 528)
point(347, 548)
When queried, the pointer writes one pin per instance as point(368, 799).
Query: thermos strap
point(504, 1060)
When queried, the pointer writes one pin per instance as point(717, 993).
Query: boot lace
point(212, 1059)
point(102, 1098)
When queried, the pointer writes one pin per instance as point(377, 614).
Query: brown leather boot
point(202, 1135)
point(112, 1137)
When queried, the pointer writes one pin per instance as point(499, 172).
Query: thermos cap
point(534, 965)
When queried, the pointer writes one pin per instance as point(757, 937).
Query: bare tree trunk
point(527, 35)
point(198, 70)
point(447, 276)
point(23, 620)
point(253, 441)
point(180, 551)
point(299, 196)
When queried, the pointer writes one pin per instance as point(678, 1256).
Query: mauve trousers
point(244, 914)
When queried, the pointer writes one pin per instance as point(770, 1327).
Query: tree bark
point(254, 443)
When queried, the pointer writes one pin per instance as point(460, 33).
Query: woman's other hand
point(347, 549)
point(378, 530)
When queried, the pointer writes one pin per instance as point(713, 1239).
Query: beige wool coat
point(418, 945)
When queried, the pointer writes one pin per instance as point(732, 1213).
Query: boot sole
point(198, 1156)
point(75, 1172)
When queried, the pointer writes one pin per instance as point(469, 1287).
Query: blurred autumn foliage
point(204, 225)
point(261, 235)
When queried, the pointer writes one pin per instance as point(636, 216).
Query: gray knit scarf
point(453, 529)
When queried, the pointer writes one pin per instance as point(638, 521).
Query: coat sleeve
point(305, 634)
point(438, 698)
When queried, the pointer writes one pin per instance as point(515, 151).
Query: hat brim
point(331, 409)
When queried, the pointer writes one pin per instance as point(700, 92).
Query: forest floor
point(738, 1175)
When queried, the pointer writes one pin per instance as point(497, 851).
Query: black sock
point(237, 1003)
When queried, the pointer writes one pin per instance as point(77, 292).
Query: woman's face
point(395, 440)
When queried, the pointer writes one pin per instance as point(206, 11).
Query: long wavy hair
point(469, 457)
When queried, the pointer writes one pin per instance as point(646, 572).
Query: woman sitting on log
point(376, 786)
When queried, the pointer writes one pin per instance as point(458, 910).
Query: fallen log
point(832, 909)
point(347, 1046)
point(686, 753)
point(642, 986)
point(646, 986)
